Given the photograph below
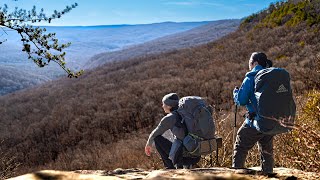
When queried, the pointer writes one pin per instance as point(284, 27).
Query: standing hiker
point(248, 135)
point(171, 152)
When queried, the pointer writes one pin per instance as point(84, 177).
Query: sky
point(112, 12)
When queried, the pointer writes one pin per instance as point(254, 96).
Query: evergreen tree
point(40, 46)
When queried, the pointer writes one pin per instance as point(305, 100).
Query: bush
point(8, 164)
point(301, 148)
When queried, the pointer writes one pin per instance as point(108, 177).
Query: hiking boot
point(187, 166)
point(178, 166)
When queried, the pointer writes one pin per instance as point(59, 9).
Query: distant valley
point(93, 46)
point(193, 37)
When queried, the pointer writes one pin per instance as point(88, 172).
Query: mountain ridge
point(122, 25)
point(193, 37)
point(87, 41)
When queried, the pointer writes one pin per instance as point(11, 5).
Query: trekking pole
point(235, 120)
point(235, 123)
point(234, 129)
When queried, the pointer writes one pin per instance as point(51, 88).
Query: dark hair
point(269, 63)
point(174, 108)
point(262, 59)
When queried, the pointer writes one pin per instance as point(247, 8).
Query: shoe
point(187, 166)
point(178, 166)
point(268, 174)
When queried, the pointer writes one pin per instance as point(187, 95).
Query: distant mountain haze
point(90, 40)
point(193, 37)
point(87, 41)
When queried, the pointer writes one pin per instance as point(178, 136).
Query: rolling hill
point(102, 119)
point(196, 36)
point(91, 40)
point(86, 42)
point(12, 80)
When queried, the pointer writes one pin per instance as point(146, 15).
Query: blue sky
point(109, 12)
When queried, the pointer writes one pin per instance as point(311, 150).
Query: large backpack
point(276, 108)
point(197, 117)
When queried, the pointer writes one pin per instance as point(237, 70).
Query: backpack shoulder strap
point(180, 123)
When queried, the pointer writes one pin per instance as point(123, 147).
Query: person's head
point(259, 58)
point(170, 102)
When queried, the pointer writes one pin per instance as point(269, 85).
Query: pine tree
point(40, 46)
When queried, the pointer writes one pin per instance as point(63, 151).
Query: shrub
point(8, 164)
point(301, 147)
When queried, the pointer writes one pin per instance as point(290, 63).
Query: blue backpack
point(276, 108)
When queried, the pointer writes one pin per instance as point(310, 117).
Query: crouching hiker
point(267, 95)
point(190, 120)
point(171, 152)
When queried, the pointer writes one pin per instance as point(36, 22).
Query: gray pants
point(245, 140)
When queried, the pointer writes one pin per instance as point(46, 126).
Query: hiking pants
point(246, 138)
point(163, 147)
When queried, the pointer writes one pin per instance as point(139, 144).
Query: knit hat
point(171, 99)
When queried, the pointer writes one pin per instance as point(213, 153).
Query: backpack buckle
point(250, 115)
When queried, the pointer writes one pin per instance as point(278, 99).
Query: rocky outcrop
point(199, 173)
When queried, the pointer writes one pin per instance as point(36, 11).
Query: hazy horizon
point(119, 12)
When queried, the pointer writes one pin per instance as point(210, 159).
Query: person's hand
point(147, 150)
point(235, 93)
point(235, 90)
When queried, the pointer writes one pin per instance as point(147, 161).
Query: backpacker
point(197, 117)
point(276, 108)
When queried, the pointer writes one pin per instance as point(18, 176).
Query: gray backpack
point(197, 117)
point(276, 108)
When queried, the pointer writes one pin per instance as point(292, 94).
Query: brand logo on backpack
point(282, 89)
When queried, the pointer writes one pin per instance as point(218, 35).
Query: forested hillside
point(87, 41)
point(193, 37)
point(102, 119)
point(12, 80)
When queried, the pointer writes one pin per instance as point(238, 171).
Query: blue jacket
point(245, 95)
